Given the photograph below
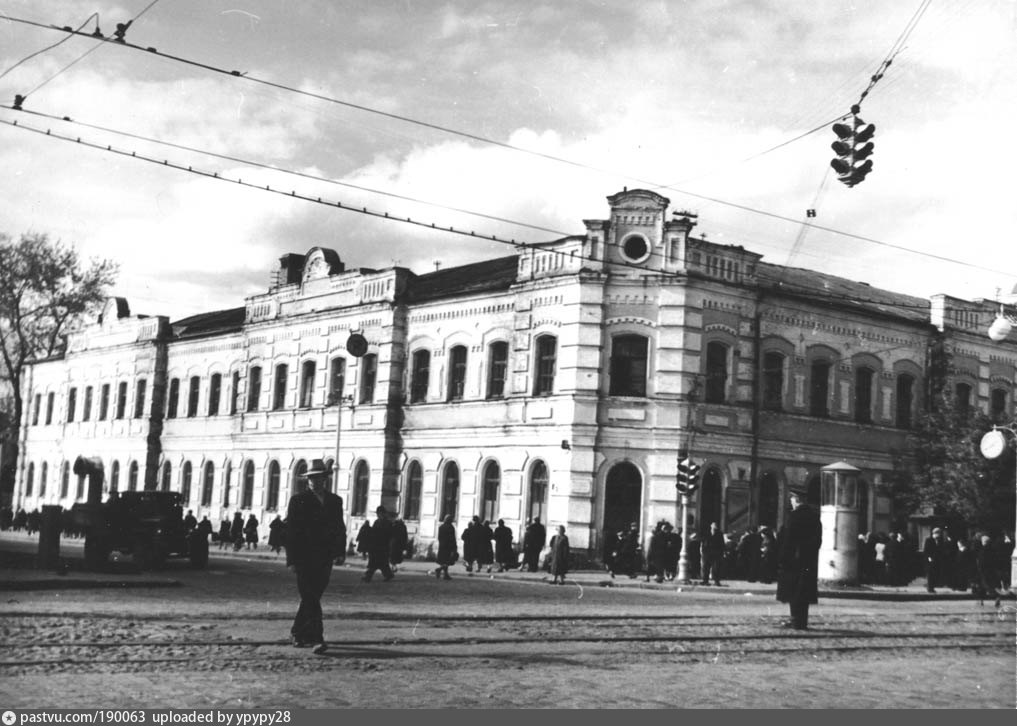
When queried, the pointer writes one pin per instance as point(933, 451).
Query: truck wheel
point(96, 554)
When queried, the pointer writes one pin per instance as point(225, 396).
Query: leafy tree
point(45, 289)
point(942, 468)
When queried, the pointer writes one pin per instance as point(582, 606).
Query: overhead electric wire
point(48, 47)
point(475, 137)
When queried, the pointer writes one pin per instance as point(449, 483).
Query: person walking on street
point(559, 556)
point(237, 531)
point(533, 543)
point(447, 552)
point(503, 553)
point(798, 561)
point(276, 534)
point(381, 541)
point(397, 545)
point(935, 560)
point(713, 554)
point(313, 521)
point(224, 534)
point(485, 546)
point(251, 531)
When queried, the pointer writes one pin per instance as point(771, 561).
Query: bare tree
point(45, 289)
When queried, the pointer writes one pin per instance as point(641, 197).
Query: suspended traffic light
point(853, 148)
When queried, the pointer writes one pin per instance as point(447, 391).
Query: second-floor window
point(420, 375)
point(121, 399)
point(997, 405)
point(214, 393)
point(456, 373)
point(86, 406)
point(234, 392)
point(50, 400)
point(174, 398)
point(497, 369)
point(72, 403)
point(307, 373)
point(963, 398)
point(282, 372)
point(192, 397)
point(104, 402)
point(36, 409)
point(863, 395)
point(368, 377)
point(819, 388)
point(547, 351)
point(336, 380)
point(716, 372)
point(773, 381)
point(628, 366)
point(253, 388)
point(139, 398)
point(905, 400)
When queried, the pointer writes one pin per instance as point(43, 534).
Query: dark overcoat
point(503, 544)
point(559, 555)
point(798, 556)
point(312, 529)
point(446, 544)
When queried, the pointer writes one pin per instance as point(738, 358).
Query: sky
point(556, 105)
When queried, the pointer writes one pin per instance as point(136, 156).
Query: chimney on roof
point(291, 267)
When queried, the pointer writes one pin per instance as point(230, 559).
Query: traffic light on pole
point(688, 477)
point(853, 148)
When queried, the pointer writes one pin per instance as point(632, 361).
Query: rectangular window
point(307, 373)
point(234, 392)
point(336, 381)
point(863, 395)
point(174, 398)
point(104, 402)
point(139, 398)
point(282, 372)
point(368, 377)
point(72, 403)
point(214, 392)
point(192, 397)
point(819, 389)
point(628, 366)
point(716, 372)
point(420, 376)
point(773, 381)
point(905, 393)
point(50, 399)
point(456, 373)
point(36, 409)
point(497, 369)
point(253, 388)
point(547, 349)
point(86, 413)
point(121, 399)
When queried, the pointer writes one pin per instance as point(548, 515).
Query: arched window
point(139, 397)
point(42, 478)
point(905, 400)
point(121, 401)
point(537, 505)
point(450, 491)
point(192, 397)
point(72, 403)
point(307, 371)
point(234, 392)
point(65, 480)
point(489, 498)
point(214, 394)
point(299, 483)
point(368, 377)
point(963, 398)
point(207, 484)
point(420, 375)
point(174, 398)
point(414, 486)
point(361, 481)
point(227, 485)
point(186, 473)
point(253, 388)
point(167, 476)
point(272, 500)
point(336, 381)
point(282, 373)
point(79, 494)
point(30, 479)
point(716, 372)
point(497, 369)
point(628, 366)
point(247, 490)
point(114, 476)
point(547, 353)
point(819, 388)
point(773, 381)
point(132, 477)
point(863, 395)
point(997, 404)
point(456, 373)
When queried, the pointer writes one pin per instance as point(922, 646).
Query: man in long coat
point(447, 552)
point(379, 551)
point(798, 561)
point(313, 522)
point(559, 556)
point(503, 553)
point(533, 542)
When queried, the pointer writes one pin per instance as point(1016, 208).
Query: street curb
point(70, 583)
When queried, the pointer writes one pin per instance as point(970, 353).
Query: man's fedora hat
point(317, 468)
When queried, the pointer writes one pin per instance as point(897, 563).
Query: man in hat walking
point(798, 561)
point(378, 552)
point(314, 519)
point(936, 556)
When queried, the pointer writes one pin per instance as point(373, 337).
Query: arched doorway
point(769, 500)
point(711, 501)
point(623, 495)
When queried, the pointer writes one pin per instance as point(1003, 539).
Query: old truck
point(148, 525)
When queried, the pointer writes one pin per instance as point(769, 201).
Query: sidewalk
point(17, 571)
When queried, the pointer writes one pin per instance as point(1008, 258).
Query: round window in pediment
point(635, 248)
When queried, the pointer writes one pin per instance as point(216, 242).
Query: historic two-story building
point(561, 382)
